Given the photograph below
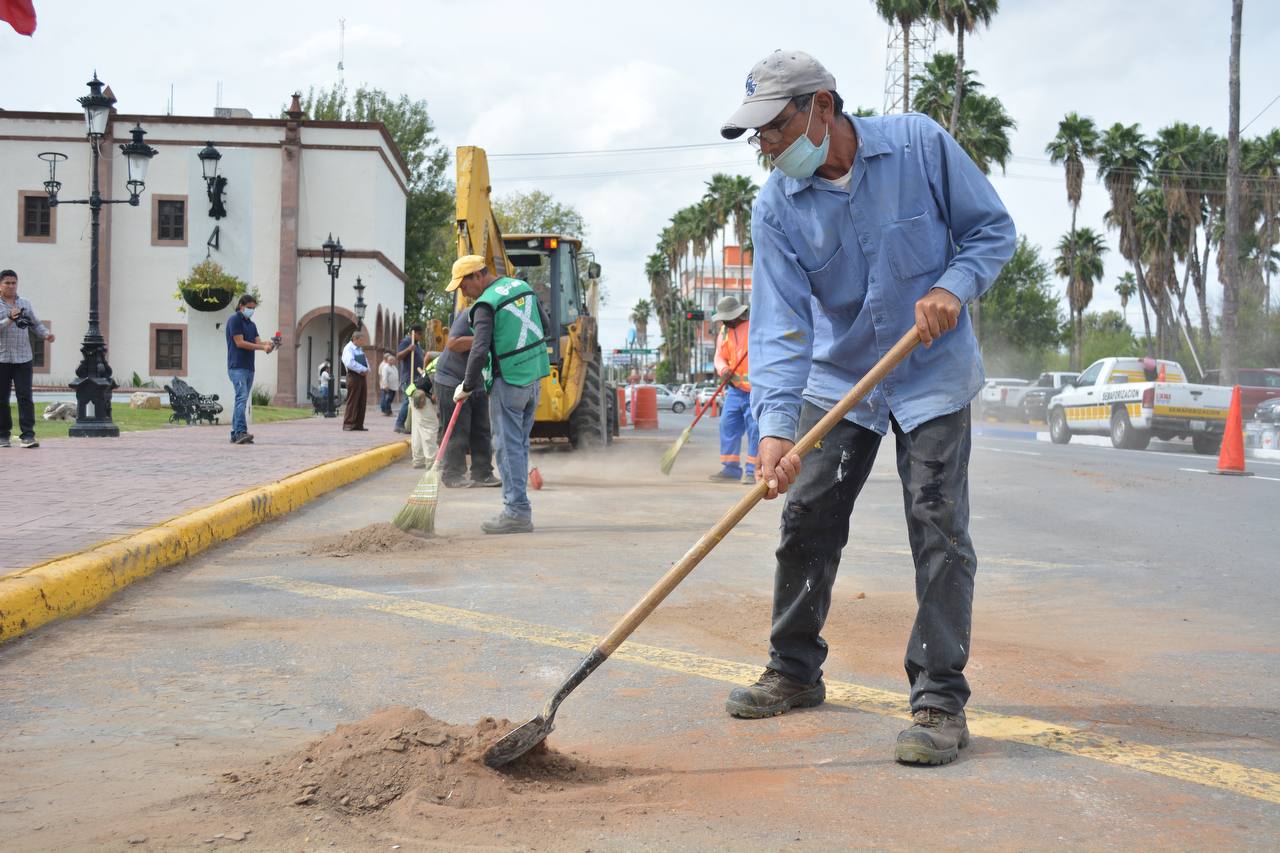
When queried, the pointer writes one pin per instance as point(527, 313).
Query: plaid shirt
point(15, 343)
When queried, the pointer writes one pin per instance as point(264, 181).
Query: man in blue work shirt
point(865, 227)
point(242, 343)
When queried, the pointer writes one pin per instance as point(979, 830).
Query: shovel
point(524, 738)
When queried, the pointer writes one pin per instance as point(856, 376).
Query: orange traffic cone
point(535, 479)
point(1231, 456)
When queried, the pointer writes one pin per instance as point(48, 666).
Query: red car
point(1257, 385)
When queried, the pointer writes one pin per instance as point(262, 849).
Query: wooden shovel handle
point(723, 383)
point(712, 537)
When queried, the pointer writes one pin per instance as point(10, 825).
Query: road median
point(78, 582)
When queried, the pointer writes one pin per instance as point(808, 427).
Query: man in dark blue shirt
point(242, 342)
point(412, 359)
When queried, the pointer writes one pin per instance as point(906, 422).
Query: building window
point(169, 220)
point(37, 221)
point(168, 349)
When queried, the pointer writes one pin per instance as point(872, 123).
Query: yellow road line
point(1184, 766)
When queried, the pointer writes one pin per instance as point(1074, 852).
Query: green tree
point(537, 212)
point(640, 319)
point(1125, 288)
point(429, 246)
point(960, 17)
point(1106, 334)
point(1079, 261)
point(1123, 159)
point(984, 125)
point(740, 195)
point(1021, 316)
point(904, 13)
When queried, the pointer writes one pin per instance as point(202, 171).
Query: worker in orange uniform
point(731, 363)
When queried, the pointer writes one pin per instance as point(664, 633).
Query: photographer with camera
point(17, 322)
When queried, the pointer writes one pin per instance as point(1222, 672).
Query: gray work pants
point(933, 464)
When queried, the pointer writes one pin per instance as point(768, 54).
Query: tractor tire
point(1059, 432)
point(611, 398)
point(589, 422)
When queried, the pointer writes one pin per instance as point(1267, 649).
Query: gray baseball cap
point(773, 82)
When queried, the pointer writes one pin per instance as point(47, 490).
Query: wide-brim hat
point(728, 308)
point(772, 83)
point(463, 267)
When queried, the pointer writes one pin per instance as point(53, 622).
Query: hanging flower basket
point(209, 287)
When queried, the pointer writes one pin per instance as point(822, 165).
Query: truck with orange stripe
point(1134, 400)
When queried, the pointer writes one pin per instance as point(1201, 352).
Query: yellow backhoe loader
point(575, 402)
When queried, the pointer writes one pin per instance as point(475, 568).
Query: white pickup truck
point(1133, 402)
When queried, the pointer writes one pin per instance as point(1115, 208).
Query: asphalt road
point(1124, 666)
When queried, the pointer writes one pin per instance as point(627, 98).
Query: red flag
point(21, 15)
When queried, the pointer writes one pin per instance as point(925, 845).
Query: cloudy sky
point(531, 78)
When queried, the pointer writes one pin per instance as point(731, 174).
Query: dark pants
point(19, 375)
point(402, 416)
point(388, 394)
point(357, 401)
point(933, 464)
point(473, 434)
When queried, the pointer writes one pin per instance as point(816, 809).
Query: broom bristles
point(669, 458)
point(418, 515)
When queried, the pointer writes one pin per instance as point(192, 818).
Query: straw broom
point(669, 458)
point(418, 515)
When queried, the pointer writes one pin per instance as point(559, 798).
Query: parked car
point(993, 394)
point(1268, 412)
point(667, 398)
point(705, 390)
point(1117, 397)
point(1257, 384)
point(1035, 399)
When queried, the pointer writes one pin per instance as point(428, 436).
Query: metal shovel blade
point(518, 741)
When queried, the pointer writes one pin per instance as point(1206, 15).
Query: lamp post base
point(93, 408)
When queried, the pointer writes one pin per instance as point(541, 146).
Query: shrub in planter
point(209, 287)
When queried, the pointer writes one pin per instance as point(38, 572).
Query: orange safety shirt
point(732, 346)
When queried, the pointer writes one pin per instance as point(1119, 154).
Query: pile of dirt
point(381, 538)
point(403, 756)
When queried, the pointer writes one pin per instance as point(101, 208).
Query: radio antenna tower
point(920, 45)
point(342, 47)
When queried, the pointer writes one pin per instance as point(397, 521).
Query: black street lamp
point(333, 260)
point(94, 382)
point(361, 307)
point(422, 302)
point(213, 182)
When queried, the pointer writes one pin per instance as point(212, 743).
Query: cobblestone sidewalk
point(73, 493)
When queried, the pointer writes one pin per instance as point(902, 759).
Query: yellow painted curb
point(79, 582)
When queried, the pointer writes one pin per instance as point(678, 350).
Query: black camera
point(23, 320)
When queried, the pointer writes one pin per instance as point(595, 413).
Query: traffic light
point(695, 314)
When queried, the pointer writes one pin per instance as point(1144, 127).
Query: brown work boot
point(774, 694)
point(935, 737)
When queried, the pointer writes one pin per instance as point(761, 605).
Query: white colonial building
point(290, 183)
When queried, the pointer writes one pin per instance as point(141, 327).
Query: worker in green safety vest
point(509, 355)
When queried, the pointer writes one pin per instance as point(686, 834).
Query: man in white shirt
point(388, 382)
point(353, 359)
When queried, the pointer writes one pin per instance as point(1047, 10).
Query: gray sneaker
point(30, 443)
point(4, 442)
point(774, 694)
point(507, 524)
point(935, 737)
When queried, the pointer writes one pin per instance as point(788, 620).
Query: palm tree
point(1077, 141)
point(740, 195)
point(1262, 164)
point(1079, 261)
point(984, 125)
point(1125, 288)
point(960, 17)
point(1178, 152)
point(1231, 239)
point(1123, 158)
point(640, 318)
point(904, 13)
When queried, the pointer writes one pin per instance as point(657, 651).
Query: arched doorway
point(313, 344)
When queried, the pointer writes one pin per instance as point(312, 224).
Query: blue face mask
point(248, 312)
point(802, 158)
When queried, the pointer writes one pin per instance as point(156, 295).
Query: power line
point(1259, 115)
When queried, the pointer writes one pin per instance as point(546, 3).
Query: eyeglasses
point(772, 135)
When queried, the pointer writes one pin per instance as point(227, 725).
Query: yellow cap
point(462, 267)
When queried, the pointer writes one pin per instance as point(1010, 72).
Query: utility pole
point(1231, 239)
